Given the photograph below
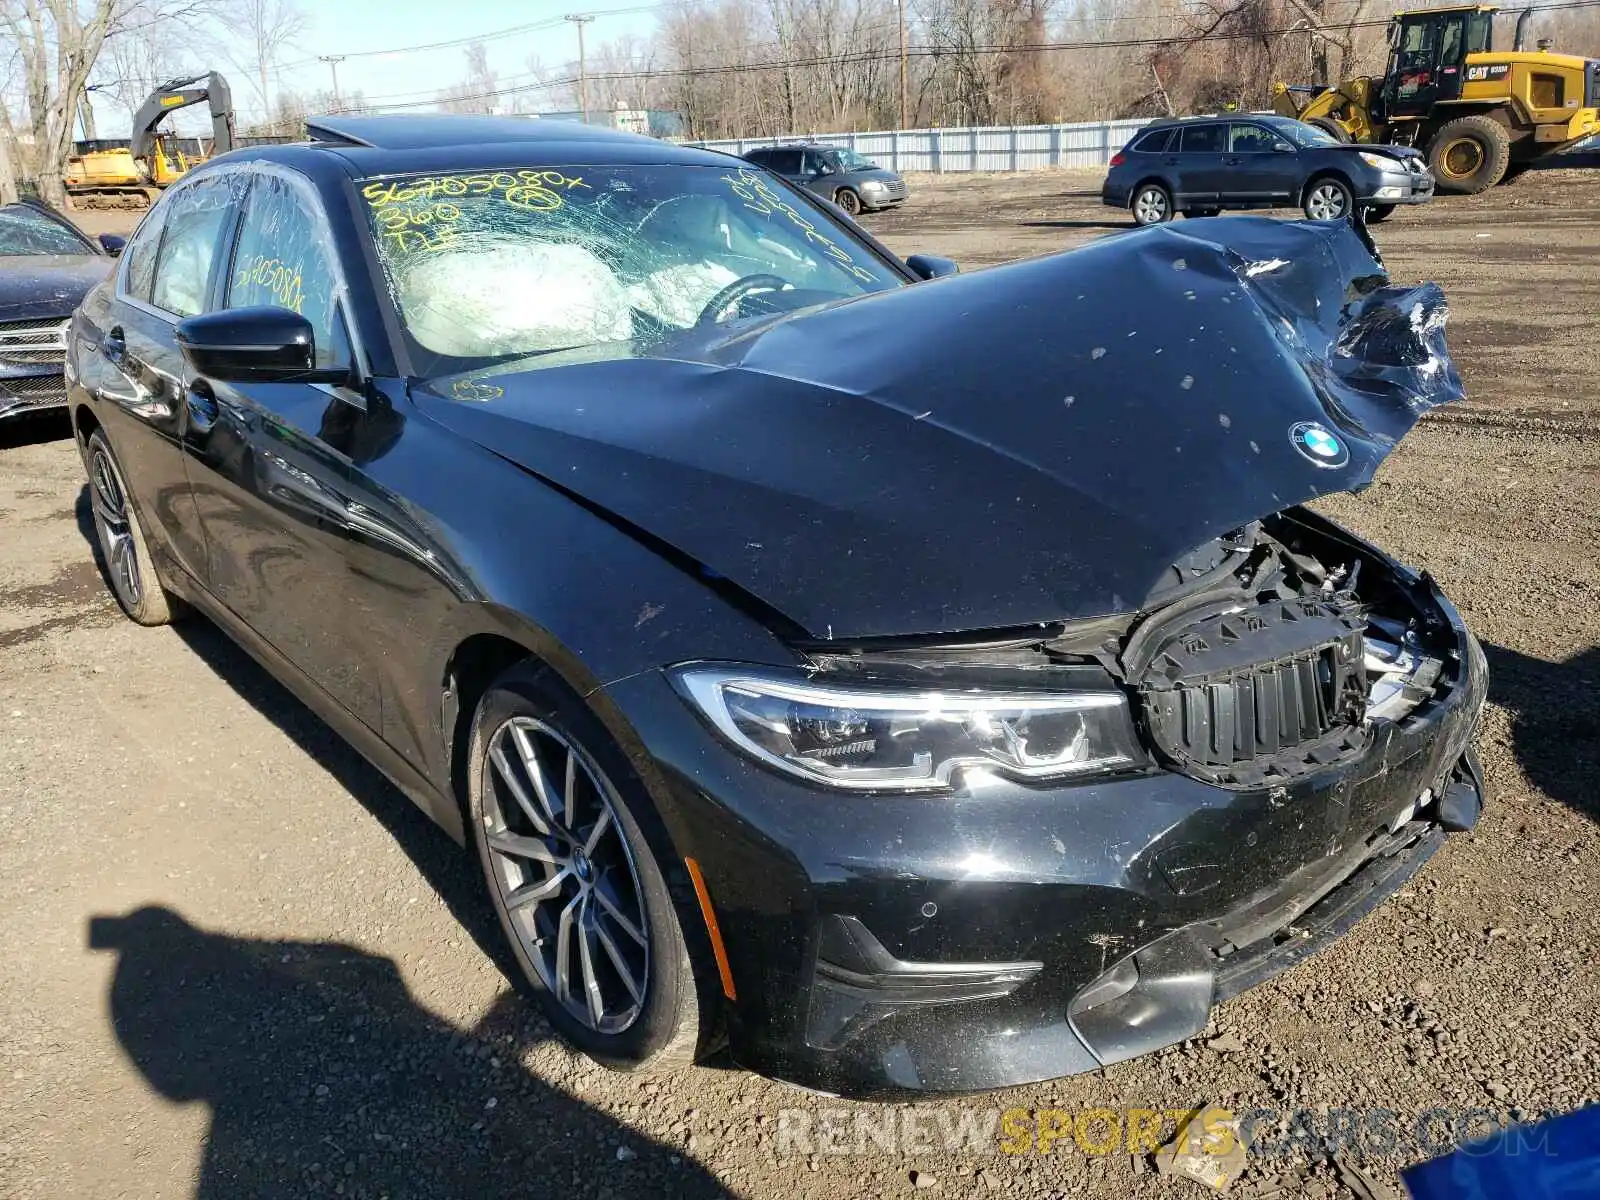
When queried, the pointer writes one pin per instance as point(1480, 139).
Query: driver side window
point(281, 260)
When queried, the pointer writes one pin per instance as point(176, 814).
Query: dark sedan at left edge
point(923, 682)
point(46, 266)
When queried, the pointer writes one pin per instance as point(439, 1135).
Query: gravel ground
point(239, 963)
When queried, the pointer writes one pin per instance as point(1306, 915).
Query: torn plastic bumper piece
point(859, 982)
point(1164, 992)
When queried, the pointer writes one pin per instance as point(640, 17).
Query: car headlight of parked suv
point(905, 738)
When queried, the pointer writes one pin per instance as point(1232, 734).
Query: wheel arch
point(505, 640)
point(1322, 173)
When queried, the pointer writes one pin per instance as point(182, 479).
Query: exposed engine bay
point(1264, 655)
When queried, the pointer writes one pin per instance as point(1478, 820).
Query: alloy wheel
point(1150, 206)
point(849, 201)
point(564, 875)
point(112, 523)
point(1328, 202)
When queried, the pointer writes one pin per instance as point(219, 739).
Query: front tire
point(1327, 199)
point(124, 552)
point(1470, 155)
point(1151, 205)
point(558, 818)
point(849, 201)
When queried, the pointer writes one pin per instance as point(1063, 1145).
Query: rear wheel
point(128, 566)
point(558, 817)
point(1470, 154)
point(849, 201)
point(1151, 204)
point(1328, 199)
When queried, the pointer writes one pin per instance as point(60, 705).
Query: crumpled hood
point(1031, 443)
point(34, 286)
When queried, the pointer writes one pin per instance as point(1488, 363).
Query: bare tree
point(58, 44)
point(261, 30)
point(473, 93)
point(8, 177)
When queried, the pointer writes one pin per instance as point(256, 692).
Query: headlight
point(1382, 161)
point(873, 185)
point(886, 737)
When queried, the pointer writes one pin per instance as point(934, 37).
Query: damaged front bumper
point(1005, 934)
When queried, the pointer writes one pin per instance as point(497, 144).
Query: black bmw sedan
point(920, 681)
point(46, 266)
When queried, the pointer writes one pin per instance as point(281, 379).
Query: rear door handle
point(202, 405)
point(1231, 161)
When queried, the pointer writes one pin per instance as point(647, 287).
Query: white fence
point(991, 148)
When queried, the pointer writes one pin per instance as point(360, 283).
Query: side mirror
point(1283, 147)
point(112, 244)
point(930, 266)
point(253, 345)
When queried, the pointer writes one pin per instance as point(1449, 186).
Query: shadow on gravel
point(34, 429)
point(1555, 722)
point(324, 1076)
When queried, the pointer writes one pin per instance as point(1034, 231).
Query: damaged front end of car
point(1089, 723)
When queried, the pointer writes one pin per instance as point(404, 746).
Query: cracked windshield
point(599, 262)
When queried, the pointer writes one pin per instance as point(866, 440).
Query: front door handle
point(202, 405)
point(1231, 161)
point(1169, 161)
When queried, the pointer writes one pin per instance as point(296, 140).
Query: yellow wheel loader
point(115, 174)
point(1481, 115)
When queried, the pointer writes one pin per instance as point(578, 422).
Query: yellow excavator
point(115, 174)
point(1480, 114)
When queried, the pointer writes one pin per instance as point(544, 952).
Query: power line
point(918, 51)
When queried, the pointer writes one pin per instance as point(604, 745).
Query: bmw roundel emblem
point(1320, 444)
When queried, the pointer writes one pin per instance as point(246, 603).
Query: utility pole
point(580, 20)
point(905, 120)
point(333, 61)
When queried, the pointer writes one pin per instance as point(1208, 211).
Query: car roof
point(1172, 122)
point(397, 144)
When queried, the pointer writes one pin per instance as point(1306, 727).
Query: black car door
point(1200, 170)
point(273, 493)
point(137, 370)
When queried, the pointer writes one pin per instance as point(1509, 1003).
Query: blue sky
point(356, 28)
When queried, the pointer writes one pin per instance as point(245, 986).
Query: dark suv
point(1200, 166)
point(852, 181)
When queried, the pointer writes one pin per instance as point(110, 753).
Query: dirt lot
point(294, 989)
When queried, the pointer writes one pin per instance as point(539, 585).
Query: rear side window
point(760, 157)
point(1202, 139)
point(140, 256)
point(1157, 141)
point(195, 217)
point(784, 162)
